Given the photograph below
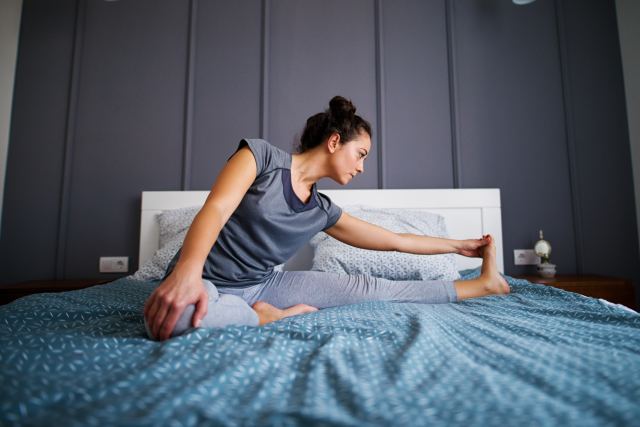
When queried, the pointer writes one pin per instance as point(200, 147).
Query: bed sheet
point(538, 356)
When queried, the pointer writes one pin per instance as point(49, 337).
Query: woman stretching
point(262, 208)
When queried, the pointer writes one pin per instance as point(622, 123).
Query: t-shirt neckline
point(290, 196)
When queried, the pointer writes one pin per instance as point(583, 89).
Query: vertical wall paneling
point(570, 138)
point(228, 84)
point(379, 30)
point(453, 94)
point(416, 99)
point(605, 182)
point(264, 67)
point(129, 130)
point(35, 156)
point(188, 99)
point(69, 138)
point(511, 130)
point(155, 95)
point(319, 49)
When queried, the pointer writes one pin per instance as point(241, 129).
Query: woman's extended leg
point(324, 290)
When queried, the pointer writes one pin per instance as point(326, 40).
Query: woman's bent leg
point(223, 309)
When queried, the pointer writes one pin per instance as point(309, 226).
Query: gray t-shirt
point(269, 225)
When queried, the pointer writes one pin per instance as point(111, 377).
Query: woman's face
point(348, 159)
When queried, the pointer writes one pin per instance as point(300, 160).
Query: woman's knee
point(222, 310)
point(185, 321)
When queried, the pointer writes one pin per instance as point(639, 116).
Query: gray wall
point(9, 32)
point(628, 13)
point(154, 95)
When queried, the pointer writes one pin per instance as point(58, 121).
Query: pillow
point(332, 255)
point(174, 225)
point(175, 221)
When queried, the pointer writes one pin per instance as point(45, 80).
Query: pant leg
point(322, 290)
point(223, 309)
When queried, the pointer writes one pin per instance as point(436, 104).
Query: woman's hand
point(167, 303)
point(184, 285)
point(472, 247)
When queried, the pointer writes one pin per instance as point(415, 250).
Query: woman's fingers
point(169, 323)
point(201, 309)
point(158, 312)
point(151, 309)
point(168, 302)
point(157, 319)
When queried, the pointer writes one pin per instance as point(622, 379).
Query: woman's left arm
point(361, 234)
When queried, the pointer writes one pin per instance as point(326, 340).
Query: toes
point(303, 308)
point(306, 308)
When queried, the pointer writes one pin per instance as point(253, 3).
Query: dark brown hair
point(340, 117)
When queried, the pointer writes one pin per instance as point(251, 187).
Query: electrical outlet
point(525, 257)
point(114, 264)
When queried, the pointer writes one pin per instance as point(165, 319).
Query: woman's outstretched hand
point(473, 247)
point(167, 303)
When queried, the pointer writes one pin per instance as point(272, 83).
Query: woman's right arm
point(184, 285)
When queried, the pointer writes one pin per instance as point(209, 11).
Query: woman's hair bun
point(339, 117)
point(342, 108)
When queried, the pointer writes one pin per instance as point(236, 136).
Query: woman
point(262, 208)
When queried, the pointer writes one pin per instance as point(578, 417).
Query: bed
point(538, 356)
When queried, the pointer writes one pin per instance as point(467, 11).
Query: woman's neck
point(306, 169)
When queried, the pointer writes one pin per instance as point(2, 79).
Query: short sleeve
point(262, 152)
point(333, 211)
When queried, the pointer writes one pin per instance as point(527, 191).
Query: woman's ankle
point(266, 312)
point(472, 288)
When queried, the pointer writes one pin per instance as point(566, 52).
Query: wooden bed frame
point(468, 213)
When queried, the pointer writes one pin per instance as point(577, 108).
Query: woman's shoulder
point(263, 143)
point(268, 156)
point(332, 210)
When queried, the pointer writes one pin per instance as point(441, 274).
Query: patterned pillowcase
point(334, 256)
point(174, 225)
point(176, 221)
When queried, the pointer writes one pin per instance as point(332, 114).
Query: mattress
point(538, 356)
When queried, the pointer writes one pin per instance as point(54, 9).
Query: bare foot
point(268, 313)
point(494, 282)
point(490, 281)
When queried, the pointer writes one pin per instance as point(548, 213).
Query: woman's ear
point(333, 142)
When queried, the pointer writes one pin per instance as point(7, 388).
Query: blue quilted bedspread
point(539, 356)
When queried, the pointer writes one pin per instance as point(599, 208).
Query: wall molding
point(187, 132)
point(69, 139)
point(570, 138)
point(264, 69)
point(380, 105)
point(456, 161)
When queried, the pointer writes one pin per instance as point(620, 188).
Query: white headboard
point(468, 213)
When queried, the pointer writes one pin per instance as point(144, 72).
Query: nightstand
point(613, 289)
point(9, 293)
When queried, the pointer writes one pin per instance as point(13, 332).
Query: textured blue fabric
point(539, 356)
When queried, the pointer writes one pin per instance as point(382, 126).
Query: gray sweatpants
point(232, 306)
